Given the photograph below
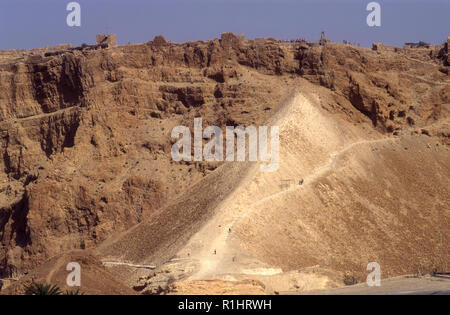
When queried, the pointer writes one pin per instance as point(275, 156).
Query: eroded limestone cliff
point(85, 134)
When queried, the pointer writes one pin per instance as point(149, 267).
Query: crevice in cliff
point(58, 84)
point(59, 133)
point(14, 231)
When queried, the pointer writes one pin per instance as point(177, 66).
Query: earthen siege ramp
point(359, 194)
point(85, 138)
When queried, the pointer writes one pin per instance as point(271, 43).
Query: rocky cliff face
point(395, 90)
point(85, 134)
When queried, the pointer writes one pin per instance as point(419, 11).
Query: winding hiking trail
point(213, 249)
point(216, 251)
point(316, 146)
point(118, 263)
point(324, 169)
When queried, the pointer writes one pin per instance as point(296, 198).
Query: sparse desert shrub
point(73, 292)
point(350, 279)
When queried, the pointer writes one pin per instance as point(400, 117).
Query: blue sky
point(37, 23)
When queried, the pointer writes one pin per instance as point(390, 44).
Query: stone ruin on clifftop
point(110, 40)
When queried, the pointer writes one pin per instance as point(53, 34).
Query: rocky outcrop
point(392, 88)
point(85, 134)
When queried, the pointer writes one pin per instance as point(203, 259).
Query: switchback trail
point(216, 251)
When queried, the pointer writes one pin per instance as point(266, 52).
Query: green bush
point(48, 289)
point(42, 289)
point(73, 292)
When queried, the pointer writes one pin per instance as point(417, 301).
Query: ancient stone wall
point(384, 48)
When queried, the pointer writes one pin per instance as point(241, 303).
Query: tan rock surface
point(85, 140)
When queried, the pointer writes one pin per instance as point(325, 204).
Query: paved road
point(396, 286)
